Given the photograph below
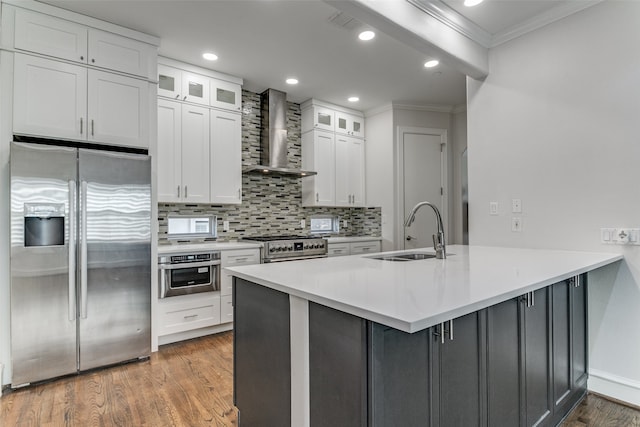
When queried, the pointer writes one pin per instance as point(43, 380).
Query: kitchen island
point(489, 336)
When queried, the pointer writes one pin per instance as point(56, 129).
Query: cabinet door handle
point(184, 99)
point(186, 194)
point(81, 123)
point(191, 316)
point(239, 193)
point(533, 299)
point(92, 127)
point(81, 58)
point(178, 191)
point(317, 197)
point(451, 330)
point(93, 60)
point(177, 96)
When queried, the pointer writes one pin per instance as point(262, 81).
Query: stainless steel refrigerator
point(80, 259)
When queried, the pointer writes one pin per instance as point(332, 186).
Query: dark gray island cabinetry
point(521, 362)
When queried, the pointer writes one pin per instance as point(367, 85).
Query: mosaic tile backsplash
point(271, 205)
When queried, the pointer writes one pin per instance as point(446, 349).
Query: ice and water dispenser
point(43, 224)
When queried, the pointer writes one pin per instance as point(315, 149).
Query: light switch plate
point(493, 208)
point(303, 223)
point(516, 205)
point(225, 225)
point(345, 224)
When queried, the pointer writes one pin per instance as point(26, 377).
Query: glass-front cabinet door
point(169, 82)
point(323, 118)
point(195, 88)
point(226, 95)
point(349, 124)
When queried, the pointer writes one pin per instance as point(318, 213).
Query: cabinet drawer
point(233, 259)
point(240, 257)
point(226, 309)
point(365, 247)
point(189, 312)
point(339, 249)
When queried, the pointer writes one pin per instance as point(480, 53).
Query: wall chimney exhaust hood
point(273, 137)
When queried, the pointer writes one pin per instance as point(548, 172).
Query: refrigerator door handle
point(83, 250)
point(72, 251)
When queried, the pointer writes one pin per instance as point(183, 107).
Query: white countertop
point(206, 246)
point(414, 295)
point(352, 239)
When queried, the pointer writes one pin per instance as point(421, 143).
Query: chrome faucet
point(438, 239)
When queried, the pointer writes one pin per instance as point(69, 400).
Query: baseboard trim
point(615, 387)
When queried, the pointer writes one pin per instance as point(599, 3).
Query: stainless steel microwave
point(188, 273)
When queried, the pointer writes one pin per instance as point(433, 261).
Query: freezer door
point(115, 257)
point(43, 298)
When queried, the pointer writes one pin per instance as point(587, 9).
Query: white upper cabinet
point(199, 88)
point(50, 98)
point(118, 109)
point(319, 154)
point(195, 154)
point(51, 36)
point(225, 95)
point(226, 157)
point(343, 182)
point(349, 124)
point(48, 35)
point(169, 157)
point(114, 52)
point(58, 100)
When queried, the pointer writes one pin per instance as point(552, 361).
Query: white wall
point(556, 123)
point(381, 133)
point(458, 145)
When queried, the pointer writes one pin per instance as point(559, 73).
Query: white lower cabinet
point(354, 248)
point(53, 99)
point(187, 312)
point(233, 258)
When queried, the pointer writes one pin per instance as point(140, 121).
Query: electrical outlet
point(516, 224)
point(225, 225)
point(303, 223)
point(516, 205)
point(345, 224)
point(493, 208)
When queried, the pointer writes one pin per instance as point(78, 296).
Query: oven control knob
point(289, 248)
point(306, 246)
point(272, 249)
point(316, 246)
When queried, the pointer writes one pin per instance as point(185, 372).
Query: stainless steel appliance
point(189, 273)
point(290, 248)
point(80, 259)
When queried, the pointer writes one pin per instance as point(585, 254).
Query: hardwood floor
point(186, 384)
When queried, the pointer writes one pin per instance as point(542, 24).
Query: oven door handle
point(188, 265)
point(266, 261)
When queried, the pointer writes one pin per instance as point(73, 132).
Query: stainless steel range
point(290, 248)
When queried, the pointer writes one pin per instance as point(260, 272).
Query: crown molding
point(377, 110)
point(539, 21)
point(457, 109)
point(448, 16)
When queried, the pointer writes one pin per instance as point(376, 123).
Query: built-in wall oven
point(188, 273)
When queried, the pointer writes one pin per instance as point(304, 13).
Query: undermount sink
point(411, 256)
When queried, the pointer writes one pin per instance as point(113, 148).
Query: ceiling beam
point(413, 27)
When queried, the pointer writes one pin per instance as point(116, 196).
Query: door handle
point(83, 250)
point(410, 238)
point(72, 250)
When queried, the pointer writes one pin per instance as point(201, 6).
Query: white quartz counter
point(206, 246)
point(414, 295)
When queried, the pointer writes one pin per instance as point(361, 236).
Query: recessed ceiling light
point(366, 35)
point(431, 63)
point(292, 81)
point(353, 99)
point(470, 3)
point(210, 56)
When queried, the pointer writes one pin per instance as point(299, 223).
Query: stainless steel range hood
point(273, 137)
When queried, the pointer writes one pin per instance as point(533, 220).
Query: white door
point(195, 154)
point(226, 157)
point(169, 157)
point(422, 157)
point(49, 98)
point(118, 109)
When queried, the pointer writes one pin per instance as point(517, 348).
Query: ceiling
point(266, 41)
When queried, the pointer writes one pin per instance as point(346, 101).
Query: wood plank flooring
point(186, 384)
point(183, 384)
